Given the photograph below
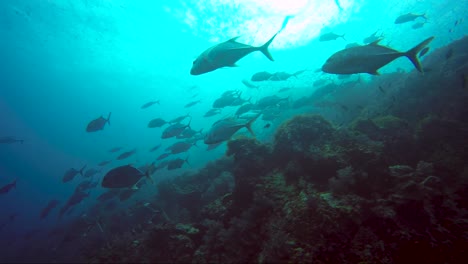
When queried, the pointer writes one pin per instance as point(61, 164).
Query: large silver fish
point(227, 53)
point(370, 58)
point(225, 128)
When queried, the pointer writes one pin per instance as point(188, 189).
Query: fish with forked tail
point(370, 58)
point(227, 53)
point(98, 124)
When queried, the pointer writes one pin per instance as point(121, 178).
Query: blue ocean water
point(65, 63)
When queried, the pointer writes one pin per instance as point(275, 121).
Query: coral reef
point(390, 188)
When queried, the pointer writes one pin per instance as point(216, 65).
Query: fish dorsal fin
point(375, 43)
point(233, 39)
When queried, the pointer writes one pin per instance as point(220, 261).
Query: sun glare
point(257, 20)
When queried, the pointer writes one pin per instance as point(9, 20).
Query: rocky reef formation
point(391, 188)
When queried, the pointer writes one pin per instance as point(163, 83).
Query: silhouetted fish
point(227, 53)
point(7, 188)
point(116, 149)
point(163, 156)
point(71, 173)
point(148, 104)
point(192, 103)
point(330, 36)
point(176, 163)
point(408, 17)
point(157, 122)
point(122, 177)
point(127, 154)
point(370, 58)
point(46, 210)
point(223, 129)
point(104, 163)
point(98, 124)
point(155, 148)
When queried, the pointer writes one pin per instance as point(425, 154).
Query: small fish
point(157, 122)
point(212, 112)
point(155, 148)
point(98, 124)
point(127, 154)
point(408, 17)
point(176, 163)
point(249, 85)
point(423, 52)
point(174, 130)
point(116, 149)
point(382, 90)
point(370, 58)
point(244, 109)
point(148, 104)
point(179, 119)
point(418, 25)
point(261, 76)
point(10, 140)
point(46, 210)
point(91, 172)
point(223, 129)
point(7, 188)
point(227, 53)
point(122, 177)
point(192, 103)
point(268, 125)
point(163, 156)
point(179, 147)
point(104, 163)
point(330, 36)
point(71, 173)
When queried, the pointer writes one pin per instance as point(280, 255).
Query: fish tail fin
point(82, 169)
point(186, 160)
point(285, 22)
point(342, 36)
point(108, 118)
point(424, 16)
point(412, 54)
point(264, 47)
point(249, 124)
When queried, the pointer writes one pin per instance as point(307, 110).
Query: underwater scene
point(233, 131)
